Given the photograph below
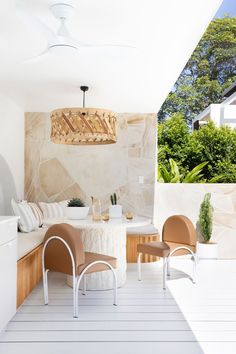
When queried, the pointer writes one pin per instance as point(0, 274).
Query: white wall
point(11, 153)
point(93, 170)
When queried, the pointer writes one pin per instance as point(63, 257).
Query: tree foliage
point(216, 146)
point(209, 71)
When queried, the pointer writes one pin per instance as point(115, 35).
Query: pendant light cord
point(84, 99)
point(84, 89)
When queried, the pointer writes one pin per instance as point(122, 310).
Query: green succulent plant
point(113, 198)
point(76, 202)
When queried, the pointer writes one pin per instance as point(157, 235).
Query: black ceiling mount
point(84, 89)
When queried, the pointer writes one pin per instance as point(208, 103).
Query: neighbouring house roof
point(230, 99)
point(203, 115)
point(230, 90)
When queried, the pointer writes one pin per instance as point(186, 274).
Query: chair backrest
point(179, 229)
point(57, 257)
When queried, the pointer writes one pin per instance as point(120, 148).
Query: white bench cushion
point(26, 242)
point(142, 230)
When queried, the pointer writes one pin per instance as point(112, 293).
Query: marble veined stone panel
point(56, 172)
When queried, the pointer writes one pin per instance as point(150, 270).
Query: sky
point(228, 7)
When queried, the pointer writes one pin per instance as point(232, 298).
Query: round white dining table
point(108, 238)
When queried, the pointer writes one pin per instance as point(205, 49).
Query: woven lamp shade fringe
point(85, 126)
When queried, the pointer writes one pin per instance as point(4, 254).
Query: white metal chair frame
point(76, 279)
point(166, 264)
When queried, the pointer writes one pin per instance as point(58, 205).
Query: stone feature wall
point(54, 172)
point(185, 199)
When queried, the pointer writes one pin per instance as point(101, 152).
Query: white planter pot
point(207, 250)
point(115, 211)
point(76, 213)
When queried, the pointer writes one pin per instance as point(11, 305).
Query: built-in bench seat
point(29, 264)
point(27, 242)
point(143, 230)
point(137, 235)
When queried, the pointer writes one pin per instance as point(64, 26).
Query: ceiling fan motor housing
point(63, 10)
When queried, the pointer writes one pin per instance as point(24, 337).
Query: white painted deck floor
point(184, 319)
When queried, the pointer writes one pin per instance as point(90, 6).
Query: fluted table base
point(108, 240)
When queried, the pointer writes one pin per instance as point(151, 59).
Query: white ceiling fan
point(61, 42)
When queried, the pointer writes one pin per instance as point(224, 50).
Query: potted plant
point(115, 210)
point(205, 248)
point(76, 209)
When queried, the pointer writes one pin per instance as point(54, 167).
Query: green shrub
point(174, 176)
point(206, 218)
point(216, 146)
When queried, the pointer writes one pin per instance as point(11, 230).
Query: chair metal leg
point(45, 285)
point(75, 296)
point(45, 279)
point(114, 287)
point(194, 259)
point(84, 285)
point(76, 308)
point(164, 272)
point(168, 266)
point(139, 266)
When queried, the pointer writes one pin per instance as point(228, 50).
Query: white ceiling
point(164, 33)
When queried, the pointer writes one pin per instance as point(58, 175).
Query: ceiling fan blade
point(105, 45)
point(37, 58)
point(35, 22)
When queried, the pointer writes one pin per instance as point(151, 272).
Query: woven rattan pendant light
point(83, 126)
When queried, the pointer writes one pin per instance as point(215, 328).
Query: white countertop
point(8, 218)
point(137, 221)
point(8, 229)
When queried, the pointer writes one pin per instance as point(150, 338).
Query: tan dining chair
point(63, 252)
point(178, 238)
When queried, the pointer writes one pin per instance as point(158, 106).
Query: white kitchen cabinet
point(8, 268)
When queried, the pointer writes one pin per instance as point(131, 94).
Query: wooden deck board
point(187, 318)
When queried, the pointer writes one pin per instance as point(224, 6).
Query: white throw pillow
point(64, 204)
point(37, 213)
point(52, 210)
point(27, 221)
